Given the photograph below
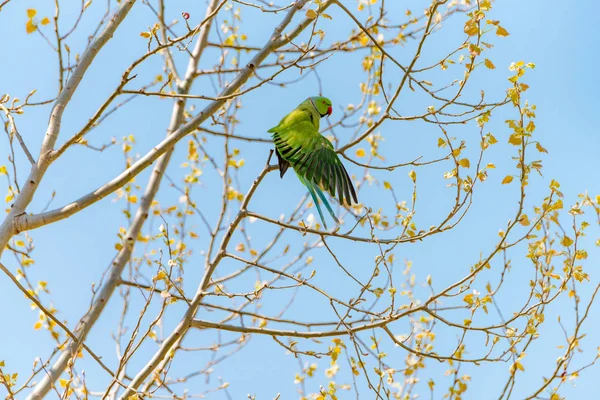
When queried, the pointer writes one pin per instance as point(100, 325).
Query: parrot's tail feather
point(311, 190)
point(324, 200)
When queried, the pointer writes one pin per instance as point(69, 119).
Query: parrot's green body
point(299, 144)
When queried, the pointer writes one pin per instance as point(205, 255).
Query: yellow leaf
point(387, 185)
point(524, 220)
point(500, 31)
point(581, 254)
point(230, 194)
point(31, 12)
point(230, 40)
point(441, 142)
point(63, 382)
point(566, 241)
point(37, 326)
point(3, 170)
point(413, 175)
point(471, 28)
point(161, 276)
point(326, 16)
point(118, 246)
point(133, 199)
point(240, 247)
point(193, 235)
point(507, 179)
point(20, 243)
point(311, 14)
point(468, 299)
point(515, 139)
point(474, 50)
point(45, 21)
point(145, 35)
point(30, 27)
point(465, 163)
point(530, 127)
point(540, 148)
point(489, 64)
point(516, 366)
point(27, 262)
point(360, 153)
point(492, 139)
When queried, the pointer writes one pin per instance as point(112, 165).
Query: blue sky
point(72, 254)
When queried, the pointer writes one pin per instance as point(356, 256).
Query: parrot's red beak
point(329, 110)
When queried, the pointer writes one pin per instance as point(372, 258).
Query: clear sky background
point(559, 37)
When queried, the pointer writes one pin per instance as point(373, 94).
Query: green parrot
point(298, 143)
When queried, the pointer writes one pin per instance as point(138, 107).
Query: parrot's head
point(322, 104)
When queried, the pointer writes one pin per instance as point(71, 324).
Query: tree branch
point(107, 289)
point(9, 225)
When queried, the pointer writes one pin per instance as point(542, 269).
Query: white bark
point(9, 226)
point(119, 262)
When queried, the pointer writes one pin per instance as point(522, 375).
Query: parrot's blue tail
point(315, 191)
point(324, 200)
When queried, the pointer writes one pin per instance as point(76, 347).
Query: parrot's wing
point(283, 165)
point(288, 122)
point(313, 157)
point(298, 116)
